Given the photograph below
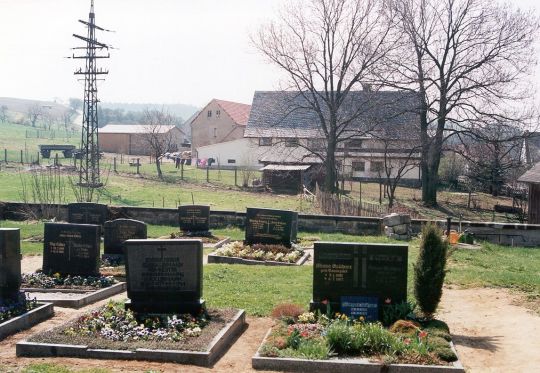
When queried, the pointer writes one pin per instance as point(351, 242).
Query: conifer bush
point(429, 270)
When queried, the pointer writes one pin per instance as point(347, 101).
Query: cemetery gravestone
point(116, 232)
point(350, 275)
point(267, 226)
point(194, 219)
point(164, 276)
point(71, 249)
point(87, 213)
point(10, 265)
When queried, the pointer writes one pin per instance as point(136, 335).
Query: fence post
point(38, 158)
point(22, 160)
point(56, 160)
point(182, 170)
point(5, 155)
point(138, 165)
point(163, 199)
point(114, 164)
point(235, 174)
point(207, 173)
point(121, 158)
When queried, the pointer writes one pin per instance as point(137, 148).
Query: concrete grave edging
point(219, 259)
point(217, 347)
point(346, 365)
point(92, 297)
point(217, 245)
point(26, 320)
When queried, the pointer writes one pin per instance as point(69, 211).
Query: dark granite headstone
point(120, 230)
point(10, 264)
point(71, 249)
point(87, 213)
point(358, 269)
point(164, 276)
point(269, 226)
point(194, 218)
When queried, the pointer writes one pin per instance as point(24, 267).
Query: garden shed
point(532, 178)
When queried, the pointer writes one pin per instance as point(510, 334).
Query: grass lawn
point(55, 368)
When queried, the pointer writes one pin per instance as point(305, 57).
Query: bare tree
point(3, 113)
point(327, 48)
point(468, 60)
point(33, 113)
point(157, 135)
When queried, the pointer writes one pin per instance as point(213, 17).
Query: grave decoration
point(164, 319)
point(359, 318)
point(17, 311)
point(87, 213)
point(70, 267)
point(270, 238)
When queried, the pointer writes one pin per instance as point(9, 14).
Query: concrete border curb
point(346, 365)
point(217, 347)
point(91, 297)
point(27, 320)
point(218, 259)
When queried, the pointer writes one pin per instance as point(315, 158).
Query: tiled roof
point(133, 128)
point(532, 176)
point(238, 112)
point(286, 113)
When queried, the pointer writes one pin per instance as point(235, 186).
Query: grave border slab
point(217, 347)
point(219, 259)
point(259, 362)
point(26, 320)
point(91, 297)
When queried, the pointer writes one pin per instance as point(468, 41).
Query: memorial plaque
point(164, 276)
point(71, 249)
point(87, 213)
point(194, 218)
point(355, 307)
point(120, 230)
point(359, 269)
point(268, 226)
point(10, 264)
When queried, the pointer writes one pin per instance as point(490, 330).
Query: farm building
point(130, 138)
point(532, 178)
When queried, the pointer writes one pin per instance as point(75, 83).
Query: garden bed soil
point(203, 350)
point(219, 259)
point(212, 242)
point(346, 365)
point(25, 321)
point(75, 297)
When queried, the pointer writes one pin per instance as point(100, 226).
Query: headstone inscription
point(344, 271)
point(194, 219)
point(10, 265)
point(164, 276)
point(116, 232)
point(71, 249)
point(87, 213)
point(269, 226)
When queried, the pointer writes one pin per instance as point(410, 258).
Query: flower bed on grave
point(16, 308)
point(314, 336)
point(260, 252)
point(206, 239)
point(112, 327)
point(39, 280)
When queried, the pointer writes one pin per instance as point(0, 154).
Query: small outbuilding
point(532, 178)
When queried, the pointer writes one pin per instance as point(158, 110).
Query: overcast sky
point(169, 51)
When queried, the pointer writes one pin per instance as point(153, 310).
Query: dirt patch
point(492, 333)
point(31, 263)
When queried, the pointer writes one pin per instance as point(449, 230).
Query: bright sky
point(169, 51)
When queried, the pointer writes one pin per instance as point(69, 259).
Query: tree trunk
point(158, 166)
point(330, 177)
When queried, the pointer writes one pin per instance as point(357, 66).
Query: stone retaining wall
point(503, 233)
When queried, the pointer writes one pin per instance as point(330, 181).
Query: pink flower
point(388, 301)
point(407, 341)
point(422, 334)
point(324, 301)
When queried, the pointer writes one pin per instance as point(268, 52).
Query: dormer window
point(218, 113)
point(209, 114)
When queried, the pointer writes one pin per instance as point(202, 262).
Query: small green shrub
point(445, 353)
point(429, 270)
point(405, 327)
point(436, 342)
point(294, 339)
point(393, 312)
point(436, 324)
point(373, 338)
point(313, 349)
point(287, 312)
point(340, 336)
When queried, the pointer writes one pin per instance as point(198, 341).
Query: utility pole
point(89, 173)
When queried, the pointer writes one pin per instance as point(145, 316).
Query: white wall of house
point(242, 152)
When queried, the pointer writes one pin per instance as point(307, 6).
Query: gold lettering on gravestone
point(57, 247)
point(125, 232)
point(333, 272)
point(163, 273)
point(269, 226)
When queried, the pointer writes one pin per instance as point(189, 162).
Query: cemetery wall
point(503, 233)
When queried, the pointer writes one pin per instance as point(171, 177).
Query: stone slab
point(87, 213)
point(218, 259)
point(336, 365)
point(10, 264)
point(194, 218)
point(74, 298)
point(115, 232)
point(27, 320)
point(268, 226)
point(217, 347)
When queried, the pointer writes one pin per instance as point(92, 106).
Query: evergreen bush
point(429, 270)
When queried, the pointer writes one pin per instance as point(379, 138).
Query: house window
point(265, 141)
point(359, 166)
point(215, 132)
point(231, 160)
point(376, 166)
point(354, 144)
point(291, 142)
point(218, 113)
point(209, 114)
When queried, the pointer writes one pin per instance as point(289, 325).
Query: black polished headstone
point(358, 269)
point(267, 226)
point(10, 264)
point(194, 218)
point(87, 213)
point(71, 249)
point(120, 230)
point(164, 276)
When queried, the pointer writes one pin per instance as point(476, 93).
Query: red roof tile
point(238, 112)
